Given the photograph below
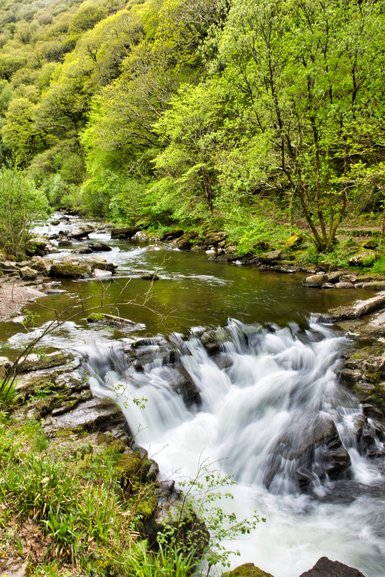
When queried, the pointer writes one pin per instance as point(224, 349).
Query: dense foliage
point(190, 111)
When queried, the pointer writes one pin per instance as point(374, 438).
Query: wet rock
point(37, 362)
point(98, 246)
point(123, 233)
point(344, 285)
point(84, 250)
point(327, 568)
point(335, 276)
point(64, 242)
point(316, 280)
point(364, 258)
point(141, 236)
point(70, 268)
point(101, 264)
point(372, 285)
point(247, 570)
point(150, 276)
point(5, 365)
point(96, 414)
point(102, 274)
point(186, 241)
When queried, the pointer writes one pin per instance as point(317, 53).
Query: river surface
point(276, 384)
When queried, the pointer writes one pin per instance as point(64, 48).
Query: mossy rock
point(134, 468)
point(70, 269)
point(364, 258)
point(247, 570)
point(186, 241)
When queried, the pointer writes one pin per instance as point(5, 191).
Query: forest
point(259, 119)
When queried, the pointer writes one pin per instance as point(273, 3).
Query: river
point(264, 396)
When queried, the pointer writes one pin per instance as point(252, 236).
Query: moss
point(133, 469)
point(95, 318)
point(247, 570)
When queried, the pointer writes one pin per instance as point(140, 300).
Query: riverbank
point(16, 294)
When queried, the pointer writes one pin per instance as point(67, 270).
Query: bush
point(20, 205)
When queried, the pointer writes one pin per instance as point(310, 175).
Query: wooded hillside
point(254, 117)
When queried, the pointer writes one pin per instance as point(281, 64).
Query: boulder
point(186, 241)
point(37, 246)
point(316, 280)
point(214, 238)
point(124, 232)
point(81, 231)
point(270, 257)
point(98, 246)
point(94, 414)
point(28, 273)
point(364, 258)
point(150, 276)
point(335, 276)
point(326, 568)
point(64, 242)
point(101, 264)
point(41, 265)
point(101, 274)
point(70, 268)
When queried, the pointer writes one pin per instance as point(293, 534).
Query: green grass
point(70, 495)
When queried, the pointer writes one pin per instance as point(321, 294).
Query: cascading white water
point(268, 410)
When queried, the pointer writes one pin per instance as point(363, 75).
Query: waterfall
point(265, 406)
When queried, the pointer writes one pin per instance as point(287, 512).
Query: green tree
point(20, 205)
point(305, 74)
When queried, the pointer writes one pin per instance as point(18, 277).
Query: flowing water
point(257, 398)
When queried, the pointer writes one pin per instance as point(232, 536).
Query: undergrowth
point(74, 506)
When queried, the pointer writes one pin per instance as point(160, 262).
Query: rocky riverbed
point(51, 388)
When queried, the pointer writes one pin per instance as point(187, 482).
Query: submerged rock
point(327, 568)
